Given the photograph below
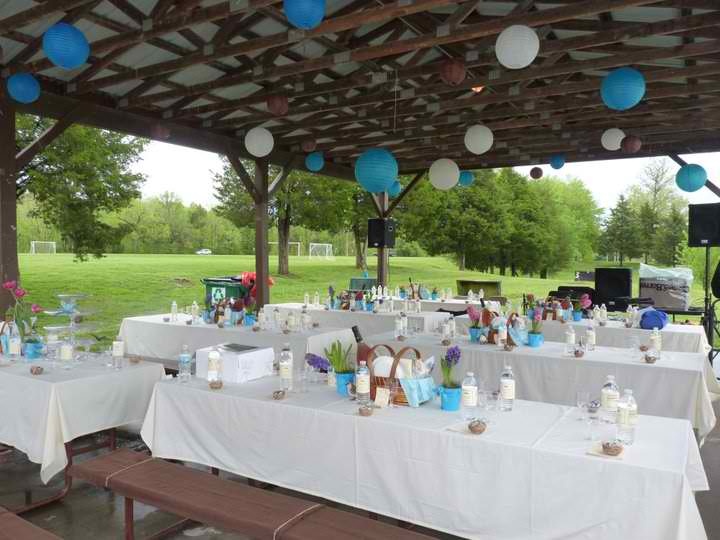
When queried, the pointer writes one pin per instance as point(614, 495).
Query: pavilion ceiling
point(369, 74)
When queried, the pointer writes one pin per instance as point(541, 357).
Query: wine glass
point(582, 398)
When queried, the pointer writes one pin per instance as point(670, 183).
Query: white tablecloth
point(40, 413)
point(527, 477)
point(366, 321)
point(675, 337)
point(151, 337)
point(676, 387)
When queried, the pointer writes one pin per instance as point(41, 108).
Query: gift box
point(240, 363)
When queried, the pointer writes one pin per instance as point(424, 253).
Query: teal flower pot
point(450, 398)
point(577, 315)
point(33, 350)
point(359, 305)
point(535, 340)
point(403, 295)
point(475, 334)
point(368, 306)
point(249, 319)
point(341, 383)
point(434, 296)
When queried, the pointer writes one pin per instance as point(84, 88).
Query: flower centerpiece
point(24, 316)
point(476, 324)
point(359, 301)
point(344, 372)
point(577, 311)
point(530, 303)
point(318, 364)
point(535, 337)
point(368, 301)
point(450, 391)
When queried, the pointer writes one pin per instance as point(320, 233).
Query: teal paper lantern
point(376, 170)
point(466, 178)
point(691, 177)
point(395, 189)
point(557, 161)
point(315, 161)
point(23, 88)
point(304, 14)
point(622, 88)
point(66, 46)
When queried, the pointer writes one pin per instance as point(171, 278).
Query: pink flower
point(36, 308)
point(9, 285)
point(473, 313)
point(20, 292)
point(537, 316)
point(585, 301)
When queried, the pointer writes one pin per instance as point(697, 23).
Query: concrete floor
point(89, 513)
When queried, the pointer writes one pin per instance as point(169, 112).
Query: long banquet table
point(40, 413)
point(675, 337)
point(366, 321)
point(149, 336)
point(528, 476)
point(679, 385)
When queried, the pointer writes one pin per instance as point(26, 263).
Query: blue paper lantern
point(304, 14)
point(66, 46)
point(376, 170)
point(23, 87)
point(315, 161)
point(557, 161)
point(395, 189)
point(691, 177)
point(466, 178)
point(622, 88)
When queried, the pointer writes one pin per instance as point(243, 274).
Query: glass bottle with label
point(609, 396)
point(362, 383)
point(184, 364)
point(627, 417)
point(469, 396)
point(507, 389)
point(286, 368)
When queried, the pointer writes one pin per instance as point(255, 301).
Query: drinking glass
point(393, 390)
point(634, 346)
point(582, 398)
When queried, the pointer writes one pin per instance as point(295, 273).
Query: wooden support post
point(383, 258)
point(262, 248)
point(8, 196)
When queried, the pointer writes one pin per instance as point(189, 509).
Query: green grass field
point(125, 285)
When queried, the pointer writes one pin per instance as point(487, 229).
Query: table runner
point(40, 413)
point(677, 386)
point(528, 476)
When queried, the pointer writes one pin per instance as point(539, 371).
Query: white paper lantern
point(259, 142)
point(517, 46)
point(479, 139)
point(444, 174)
point(612, 139)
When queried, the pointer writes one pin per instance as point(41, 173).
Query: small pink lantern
point(452, 71)
point(278, 105)
point(631, 144)
point(308, 145)
point(536, 173)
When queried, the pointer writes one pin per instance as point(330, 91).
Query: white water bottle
point(569, 340)
point(362, 383)
point(195, 311)
point(609, 396)
point(507, 389)
point(184, 364)
point(306, 299)
point(316, 299)
point(590, 337)
point(469, 396)
point(286, 368)
point(627, 417)
point(655, 339)
point(173, 311)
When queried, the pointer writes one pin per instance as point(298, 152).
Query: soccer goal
point(320, 251)
point(37, 246)
point(297, 245)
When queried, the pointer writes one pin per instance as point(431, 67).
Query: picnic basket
point(386, 382)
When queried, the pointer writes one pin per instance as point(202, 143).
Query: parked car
point(204, 251)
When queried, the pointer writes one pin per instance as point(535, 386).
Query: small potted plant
point(450, 391)
point(434, 294)
point(577, 313)
point(403, 293)
point(530, 299)
point(344, 372)
point(369, 304)
point(359, 301)
point(319, 364)
point(25, 317)
point(476, 325)
point(535, 337)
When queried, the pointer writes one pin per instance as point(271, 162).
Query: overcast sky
point(188, 173)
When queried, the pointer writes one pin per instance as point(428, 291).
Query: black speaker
point(704, 225)
point(381, 233)
point(612, 284)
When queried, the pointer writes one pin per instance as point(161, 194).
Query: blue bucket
point(341, 383)
point(450, 398)
point(535, 340)
point(33, 350)
point(368, 306)
point(249, 319)
point(475, 334)
point(577, 315)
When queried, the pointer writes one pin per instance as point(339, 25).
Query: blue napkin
point(652, 318)
point(418, 391)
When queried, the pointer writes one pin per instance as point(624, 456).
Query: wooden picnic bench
point(14, 528)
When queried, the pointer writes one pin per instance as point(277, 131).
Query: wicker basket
point(386, 382)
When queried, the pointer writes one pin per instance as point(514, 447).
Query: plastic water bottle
point(570, 340)
point(452, 327)
point(469, 396)
point(609, 396)
point(656, 339)
point(507, 389)
point(305, 320)
point(306, 299)
point(286, 368)
point(590, 337)
point(316, 299)
point(15, 343)
point(627, 417)
point(362, 383)
point(173, 311)
point(195, 311)
point(184, 364)
point(403, 324)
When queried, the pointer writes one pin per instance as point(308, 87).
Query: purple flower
point(452, 356)
point(317, 362)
